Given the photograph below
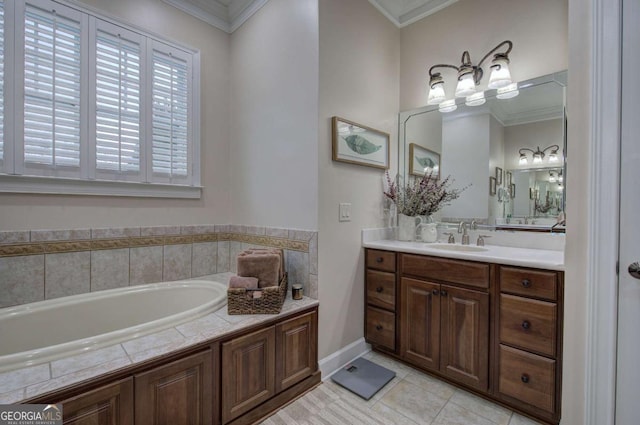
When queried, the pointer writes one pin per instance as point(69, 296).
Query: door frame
point(603, 211)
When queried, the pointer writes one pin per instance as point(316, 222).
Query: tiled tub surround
point(45, 264)
point(29, 382)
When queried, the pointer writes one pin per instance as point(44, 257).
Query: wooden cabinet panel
point(381, 328)
point(527, 377)
point(381, 289)
point(420, 323)
point(248, 375)
point(446, 270)
point(528, 324)
point(528, 282)
point(465, 336)
point(296, 351)
point(108, 405)
point(180, 392)
point(381, 260)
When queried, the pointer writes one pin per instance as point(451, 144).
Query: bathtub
point(47, 330)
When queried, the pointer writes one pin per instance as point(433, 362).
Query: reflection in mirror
point(474, 143)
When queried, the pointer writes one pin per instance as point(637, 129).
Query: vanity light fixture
point(475, 99)
point(552, 177)
point(560, 178)
point(507, 92)
point(470, 75)
point(448, 106)
point(539, 154)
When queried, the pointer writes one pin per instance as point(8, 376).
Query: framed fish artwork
point(423, 161)
point(358, 144)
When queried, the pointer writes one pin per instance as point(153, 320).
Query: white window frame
point(17, 178)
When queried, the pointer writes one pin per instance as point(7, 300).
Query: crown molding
point(225, 18)
point(428, 8)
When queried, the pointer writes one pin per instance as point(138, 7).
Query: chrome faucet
point(451, 238)
point(462, 228)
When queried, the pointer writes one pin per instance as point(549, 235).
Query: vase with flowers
point(420, 197)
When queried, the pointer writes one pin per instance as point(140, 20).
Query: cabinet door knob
point(525, 378)
point(435, 292)
point(526, 324)
point(526, 283)
point(378, 327)
point(444, 293)
point(379, 260)
point(379, 289)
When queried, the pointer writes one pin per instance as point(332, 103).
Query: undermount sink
point(456, 247)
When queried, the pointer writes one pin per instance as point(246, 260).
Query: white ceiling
point(228, 15)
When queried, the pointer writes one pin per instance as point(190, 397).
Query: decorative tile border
point(34, 248)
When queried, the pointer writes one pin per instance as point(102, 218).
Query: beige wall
point(274, 116)
point(19, 212)
point(359, 76)
point(538, 30)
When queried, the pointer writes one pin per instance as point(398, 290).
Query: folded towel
point(264, 266)
point(278, 251)
point(243, 282)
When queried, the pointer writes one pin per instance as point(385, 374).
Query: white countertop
point(28, 382)
point(536, 258)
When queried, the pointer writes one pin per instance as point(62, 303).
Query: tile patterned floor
point(411, 398)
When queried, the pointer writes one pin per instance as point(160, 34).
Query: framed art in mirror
point(492, 186)
point(358, 144)
point(423, 161)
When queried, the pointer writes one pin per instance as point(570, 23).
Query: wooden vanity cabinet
point(380, 299)
point(111, 404)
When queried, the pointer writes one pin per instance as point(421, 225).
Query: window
point(95, 101)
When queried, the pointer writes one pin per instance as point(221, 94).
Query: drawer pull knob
point(526, 283)
point(379, 289)
point(378, 327)
point(444, 293)
point(379, 260)
point(526, 324)
point(435, 292)
point(525, 378)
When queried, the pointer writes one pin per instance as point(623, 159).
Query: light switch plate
point(344, 213)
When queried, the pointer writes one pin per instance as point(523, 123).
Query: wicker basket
point(241, 301)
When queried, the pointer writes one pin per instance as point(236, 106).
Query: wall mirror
point(510, 149)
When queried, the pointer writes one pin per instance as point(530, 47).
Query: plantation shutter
point(117, 100)
point(52, 70)
point(170, 89)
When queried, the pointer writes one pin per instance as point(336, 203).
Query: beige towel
point(264, 266)
point(278, 251)
point(243, 282)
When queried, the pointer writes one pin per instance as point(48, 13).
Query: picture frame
point(358, 144)
point(498, 176)
point(512, 190)
point(531, 193)
point(422, 160)
point(492, 186)
point(508, 179)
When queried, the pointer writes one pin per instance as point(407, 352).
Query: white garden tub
point(45, 330)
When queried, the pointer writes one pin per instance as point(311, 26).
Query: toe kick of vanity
point(491, 328)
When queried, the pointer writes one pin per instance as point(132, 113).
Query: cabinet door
point(108, 405)
point(296, 350)
point(248, 372)
point(180, 392)
point(465, 336)
point(420, 323)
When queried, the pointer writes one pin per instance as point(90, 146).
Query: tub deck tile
point(87, 360)
point(16, 379)
point(149, 341)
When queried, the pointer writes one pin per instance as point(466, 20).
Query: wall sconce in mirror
point(470, 76)
point(539, 154)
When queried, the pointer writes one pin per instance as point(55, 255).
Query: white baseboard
point(333, 362)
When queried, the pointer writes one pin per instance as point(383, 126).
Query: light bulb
point(552, 178)
point(553, 156)
point(537, 158)
point(500, 74)
point(448, 106)
point(436, 94)
point(475, 99)
point(507, 92)
point(523, 159)
point(560, 178)
point(466, 85)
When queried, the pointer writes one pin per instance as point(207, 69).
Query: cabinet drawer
point(381, 289)
point(381, 260)
point(381, 328)
point(527, 377)
point(530, 283)
point(528, 324)
point(464, 272)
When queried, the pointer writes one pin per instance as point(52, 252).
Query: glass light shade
point(508, 92)
point(466, 85)
point(523, 159)
point(448, 106)
point(537, 158)
point(552, 178)
point(553, 156)
point(475, 99)
point(436, 94)
point(560, 178)
point(500, 74)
